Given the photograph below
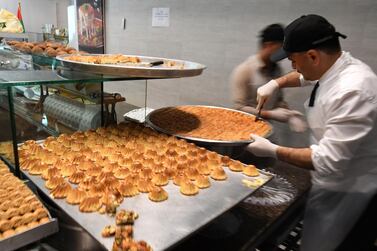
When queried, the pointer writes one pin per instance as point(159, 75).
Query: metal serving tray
point(203, 141)
point(164, 224)
point(190, 69)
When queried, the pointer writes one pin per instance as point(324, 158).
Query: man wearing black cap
point(257, 70)
point(342, 116)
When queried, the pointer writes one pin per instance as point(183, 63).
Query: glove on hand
point(265, 91)
point(262, 147)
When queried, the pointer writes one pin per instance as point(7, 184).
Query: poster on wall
point(90, 25)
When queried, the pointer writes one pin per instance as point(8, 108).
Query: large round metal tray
point(207, 141)
point(189, 69)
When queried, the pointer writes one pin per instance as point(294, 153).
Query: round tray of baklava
point(208, 124)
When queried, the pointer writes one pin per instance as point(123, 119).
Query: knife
point(260, 109)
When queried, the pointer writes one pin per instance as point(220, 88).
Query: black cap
point(272, 33)
point(305, 33)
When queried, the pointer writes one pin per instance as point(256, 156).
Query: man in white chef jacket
point(342, 115)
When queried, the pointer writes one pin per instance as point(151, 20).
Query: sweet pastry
point(54, 182)
point(160, 179)
point(250, 170)
point(50, 172)
point(61, 191)
point(204, 169)
point(203, 122)
point(9, 233)
point(236, 166)
point(125, 217)
point(213, 164)
point(146, 173)
point(44, 220)
point(97, 190)
point(128, 189)
point(40, 213)
point(90, 204)
point(108, 231)
point(20, 229)
point(76, 196)
point(180, 178)
point(226, 160)
point(15, 221)
point(68, 170)
point(94, 171)
point(158, 194)
point(145, 185)
point(218, 173)
point(202, 181)
point(5, 225)
point(76, 177)
point(87, 183)
point(33, 224)
point(188, 188)
point(37, 169)
point(121, 173)
point(192, 173)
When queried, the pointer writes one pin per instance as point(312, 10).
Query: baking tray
point(190, 69)
point(165, 224)
point(29, 236)
point(203, 141)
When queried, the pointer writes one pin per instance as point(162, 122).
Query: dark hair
point(272, 33)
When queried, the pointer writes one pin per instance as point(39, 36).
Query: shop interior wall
point(35, 13)
point(221, 34)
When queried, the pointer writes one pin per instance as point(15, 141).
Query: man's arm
point(301, 157)
point(291, 79)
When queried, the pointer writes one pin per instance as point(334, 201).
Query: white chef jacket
point(343, 122)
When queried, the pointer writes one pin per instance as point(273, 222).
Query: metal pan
point(203, 141)
point(147, 68)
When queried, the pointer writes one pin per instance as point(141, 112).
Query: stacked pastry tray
point(164, 224)
point(30, 235)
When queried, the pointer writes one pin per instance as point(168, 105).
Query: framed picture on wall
point(90, 25)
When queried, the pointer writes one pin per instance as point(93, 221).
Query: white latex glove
point(262, 147)
point(297, 123)
point(265, 91)
point(279, 114)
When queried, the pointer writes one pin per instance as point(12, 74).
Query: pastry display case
point(58, 135)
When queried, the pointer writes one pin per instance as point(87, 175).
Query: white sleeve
point(350, 119)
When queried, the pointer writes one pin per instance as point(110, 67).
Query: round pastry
point(9, 233)
point(5, 225)
point(44, 220)
point(24, 208)
point(33, 224)
point(94, 171)
point(121, 173)
point(160, 179)
point(54, 182)
point(37, 169)
point(132, 178)
point(61, 191)
point(236, 166)
point(146, 173)
point(170, 172)
point(76, 177)
point(180, 178)
point(125, 162)
point(21, 229)
point(68, 170)
point(87, 183)
point(213, 164)
point(250, 170)
point(16, 221)
point(191, 173)
point(90, 204)
point(204, 169)
point(111, 183)
point(28, 163)
point(136, 167)
point(50, 172)
point(40, 213)
point(128, 189)
point(145, 185)
point(158, 194)
point(85, 165)
point(202, 181)
point(27, 218)
point(5, 205)
point(226, 160)
point(76, 196)
point(218, 174)
point(188, 188)
point(97, 190)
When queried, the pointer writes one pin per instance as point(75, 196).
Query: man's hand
point(262, 147)
point(265, 91)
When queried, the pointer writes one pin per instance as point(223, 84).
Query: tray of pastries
point(208, 124)
point(23, 218)
point(93, 174)
point(131, 65)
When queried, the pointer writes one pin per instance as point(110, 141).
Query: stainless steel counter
point(164, 224)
